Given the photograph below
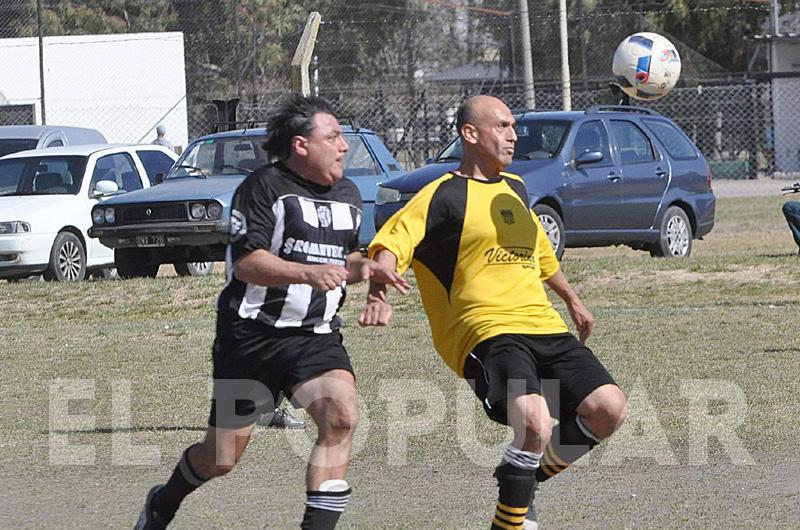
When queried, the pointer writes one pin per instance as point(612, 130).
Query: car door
point(593, 192)
point(121, 169)
point(361, 166)
point(645, 174)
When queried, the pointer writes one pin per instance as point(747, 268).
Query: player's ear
point(469, 133)
point(299, 145)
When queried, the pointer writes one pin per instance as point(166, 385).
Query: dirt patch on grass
point(740, 275)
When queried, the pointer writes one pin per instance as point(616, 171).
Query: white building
point(122, 85)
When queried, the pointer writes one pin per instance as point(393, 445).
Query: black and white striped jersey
point(277, 210)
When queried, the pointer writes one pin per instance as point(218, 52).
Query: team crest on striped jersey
point(238, 225)
point(324, 215)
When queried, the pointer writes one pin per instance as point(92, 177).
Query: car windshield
point(42, 175)
point(235, 156)
point(536, 139)
point(15, 145)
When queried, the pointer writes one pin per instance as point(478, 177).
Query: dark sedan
point(606, 176)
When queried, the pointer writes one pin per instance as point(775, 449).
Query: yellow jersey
point(480, 256)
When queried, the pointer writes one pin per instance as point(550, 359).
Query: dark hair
point(294, 116)
point(465, 114)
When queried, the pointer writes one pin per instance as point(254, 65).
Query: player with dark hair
point(481, 259)
point(292, 250)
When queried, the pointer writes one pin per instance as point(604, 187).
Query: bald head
point(477, 109)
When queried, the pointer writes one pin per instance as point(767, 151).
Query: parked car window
point(591, 137)
point(540, 139)
point(634, 146)
point(12, 145)
point(39, 175)
point(673, 140)
point(118, 168)
point(55, 143)
point(154, 162)
point(358, 160)
point(240, 152)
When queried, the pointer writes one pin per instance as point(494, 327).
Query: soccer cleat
point(280, 419)
point(149, 519)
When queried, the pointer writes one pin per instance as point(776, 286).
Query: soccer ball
point(646, 66)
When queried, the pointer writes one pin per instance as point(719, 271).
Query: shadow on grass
point(108, 430)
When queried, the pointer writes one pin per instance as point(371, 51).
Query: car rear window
point(677, 145)
point(15, 145)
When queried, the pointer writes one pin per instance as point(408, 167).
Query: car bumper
point(184, 234)
point(24, 253)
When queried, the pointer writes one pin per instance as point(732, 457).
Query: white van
point(15, 138)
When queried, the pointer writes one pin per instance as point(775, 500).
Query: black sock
point(570, 441)
point(516, 487)
point(183, 481)
point(323, 508)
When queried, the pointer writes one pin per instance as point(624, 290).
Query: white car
point(46, 199)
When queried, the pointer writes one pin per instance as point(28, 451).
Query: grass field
point(706, 344)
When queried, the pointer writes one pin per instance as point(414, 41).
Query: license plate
point(150, 241)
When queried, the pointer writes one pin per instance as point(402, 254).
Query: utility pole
point(527, 57)
point(566, 90)
point(41, 58)
point(775, 20)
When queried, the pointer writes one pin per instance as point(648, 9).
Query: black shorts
point(508, 366)
point(253, 363)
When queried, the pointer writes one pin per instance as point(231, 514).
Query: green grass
point(727, 315)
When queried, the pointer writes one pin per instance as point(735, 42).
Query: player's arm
point(362, 268)
point(377, 310)
point(583, 318)
point(261, 267)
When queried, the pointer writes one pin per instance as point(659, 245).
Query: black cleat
point(149, 519)
point(280, 419)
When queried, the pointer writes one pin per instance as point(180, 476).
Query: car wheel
point(194, 268)
point(133, 263)
point(67, 259)
point(674, 235)
point(553, 227)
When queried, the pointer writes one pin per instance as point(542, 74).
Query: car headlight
point(98, 216)
point(14, 227)
point(197, 210)
point(386, 195)
point(214, 210)
point(110, 215)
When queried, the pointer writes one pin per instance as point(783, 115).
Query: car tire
point(674, 235)
point(67, 259)
point(553, 226)
point(132, 263)
point(194, 268)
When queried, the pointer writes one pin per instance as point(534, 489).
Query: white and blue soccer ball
point(646, 66)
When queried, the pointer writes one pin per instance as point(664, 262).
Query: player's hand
point(326, 277)
point(376, 312)
point(377, 273)
point(583, 319)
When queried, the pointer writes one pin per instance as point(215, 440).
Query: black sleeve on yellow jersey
point(438, 250)
point(519, 188)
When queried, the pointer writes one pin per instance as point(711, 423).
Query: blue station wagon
point(605, 176)
point(184, 219)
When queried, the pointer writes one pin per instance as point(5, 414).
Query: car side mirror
point(588, 157)
point(160, 178)
point(105, 188)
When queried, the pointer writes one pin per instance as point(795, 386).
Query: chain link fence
point(402, 68)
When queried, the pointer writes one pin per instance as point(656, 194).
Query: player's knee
point(608, 413)
point(341, 419)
